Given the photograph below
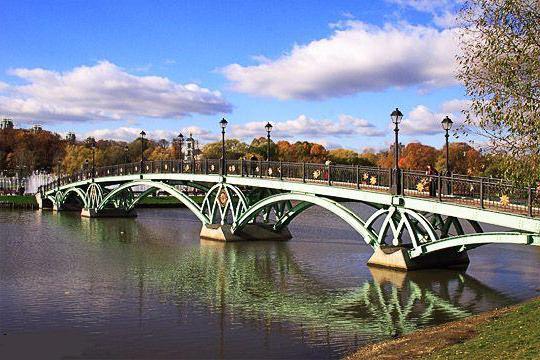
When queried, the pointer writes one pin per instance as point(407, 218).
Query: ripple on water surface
point(148, 287)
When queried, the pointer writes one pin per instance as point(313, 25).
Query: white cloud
point(422, 121)
point(301, 128)
point(131, 133)
point(356, 58)
point(456, 105)
point(305, 127)
point(103, 92)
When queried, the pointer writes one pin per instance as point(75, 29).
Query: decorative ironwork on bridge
point(434, 214)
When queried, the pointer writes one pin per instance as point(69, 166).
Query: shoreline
point(503, 333)
point(28, 202)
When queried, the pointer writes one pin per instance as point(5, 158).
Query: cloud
point(131, 133)
point(357, 57)
point(104, 92)
point(422, 121)
point(444, 12)
point(304, 127)
point(456, 105)
point(300, 128)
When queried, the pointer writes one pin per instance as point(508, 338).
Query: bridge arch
point(171, 190)
point(305, 202)
point(80, 194)
point(468, 241)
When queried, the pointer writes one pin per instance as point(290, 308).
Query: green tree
point(500, 67)
point(346, 156)
point(259, 146)
point(234, 149)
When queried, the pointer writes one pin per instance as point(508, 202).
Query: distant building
point(70, 137)
point(37, 128)
point(192, 151)
point(6, 124)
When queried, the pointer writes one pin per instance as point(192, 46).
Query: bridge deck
point(483, 193)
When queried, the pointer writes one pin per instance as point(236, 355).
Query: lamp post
point(126, 150)
point(446, 124)
point(180, 143)
point(396, 117)
point(58, 171)
point(93, 144)
point(223, 123)
point(86, 163)
point(268, 128)
point(142, 133)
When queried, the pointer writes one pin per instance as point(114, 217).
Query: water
point(149, 288)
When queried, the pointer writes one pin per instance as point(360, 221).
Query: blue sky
point(326, 71)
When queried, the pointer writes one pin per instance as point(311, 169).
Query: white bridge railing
point(481, 192)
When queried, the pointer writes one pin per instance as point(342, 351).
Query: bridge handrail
point(481, 192)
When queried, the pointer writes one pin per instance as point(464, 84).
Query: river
point(150, 288)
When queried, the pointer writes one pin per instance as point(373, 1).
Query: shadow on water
point(263, 286)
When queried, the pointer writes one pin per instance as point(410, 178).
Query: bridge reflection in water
point(264, 284)
point(406, 228)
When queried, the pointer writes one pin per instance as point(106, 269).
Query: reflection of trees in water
point(262, 283)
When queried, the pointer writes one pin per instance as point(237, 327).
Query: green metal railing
point(480, 192)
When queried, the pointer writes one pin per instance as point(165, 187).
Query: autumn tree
point(75, 158)
point(463, 159)
point(500, 67)
point(162, 153)
point(416, 156)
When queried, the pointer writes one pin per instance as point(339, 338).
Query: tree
point(259, 147)
point(75, 157)
point(463, 158)
point(500, 67)
point(284, 150)
point(161, 153)
point(350, 157)
point(416, 156)
point(234, 149)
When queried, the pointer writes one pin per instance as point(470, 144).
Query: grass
point(148, 201)
point(18, 199)
point(507, 333)
point(515, 335)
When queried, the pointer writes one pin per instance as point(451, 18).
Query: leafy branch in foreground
point(500, 67)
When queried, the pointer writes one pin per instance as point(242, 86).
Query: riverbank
point(29, 202)
point(18, 202)
point(507, 333)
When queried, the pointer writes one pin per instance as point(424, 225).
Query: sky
point(324, 71)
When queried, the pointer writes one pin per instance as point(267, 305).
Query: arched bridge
point(428, 221)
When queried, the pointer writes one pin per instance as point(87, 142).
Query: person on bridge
point(253, 164)
point(431, 173)
point(326, 172)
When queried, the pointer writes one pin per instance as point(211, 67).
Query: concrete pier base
point(107, 213)
point(397, 257)
point(249, 232)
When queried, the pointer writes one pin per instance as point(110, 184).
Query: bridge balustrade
point(481, 192)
